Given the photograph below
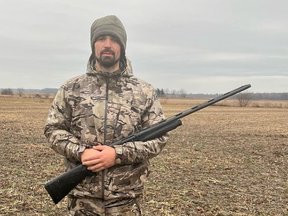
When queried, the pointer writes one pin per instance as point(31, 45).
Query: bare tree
point(182, 93)
point(20, 91)
point(243, 98)
point(173, 93)
point(7, 91)
point(167, 91)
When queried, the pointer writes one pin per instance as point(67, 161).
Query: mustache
point(107, 51)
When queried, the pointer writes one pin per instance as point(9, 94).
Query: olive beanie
point(108, 25)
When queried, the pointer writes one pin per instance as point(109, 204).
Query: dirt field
point(224, 160)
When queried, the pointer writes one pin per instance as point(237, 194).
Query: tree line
point(253, 96)
point(21, 91)
point(160, 92)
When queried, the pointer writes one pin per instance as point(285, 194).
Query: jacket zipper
point(105, 131)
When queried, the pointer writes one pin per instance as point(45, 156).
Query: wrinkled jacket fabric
point(98, 108)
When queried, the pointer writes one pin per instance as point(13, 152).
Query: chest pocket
point(87, 119)
point(122, 120)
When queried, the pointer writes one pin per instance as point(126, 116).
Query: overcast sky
point(201, 46)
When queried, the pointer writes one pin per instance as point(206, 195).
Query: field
point(224, 160)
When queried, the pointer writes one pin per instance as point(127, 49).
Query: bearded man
point(95, 109)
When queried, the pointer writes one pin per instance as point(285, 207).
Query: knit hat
point(108, 25)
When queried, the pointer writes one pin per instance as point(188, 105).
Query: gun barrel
point(210, 102)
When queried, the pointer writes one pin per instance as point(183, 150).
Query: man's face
point(107, 51)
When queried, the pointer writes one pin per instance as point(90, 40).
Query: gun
point(60, 186)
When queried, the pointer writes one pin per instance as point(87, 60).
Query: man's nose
point(107, 42)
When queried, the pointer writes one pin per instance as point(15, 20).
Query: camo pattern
point(97, 207)
point(77, 121)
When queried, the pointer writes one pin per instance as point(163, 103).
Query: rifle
point(60, 186)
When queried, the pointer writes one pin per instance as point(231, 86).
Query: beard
point(107, 61)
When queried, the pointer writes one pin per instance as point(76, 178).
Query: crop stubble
point(223, 160)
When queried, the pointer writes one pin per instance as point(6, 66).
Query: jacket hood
point(128, 72)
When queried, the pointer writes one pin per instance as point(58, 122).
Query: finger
point(89, 154)
point(91, 162)
point(99, 148)
point(96, 168)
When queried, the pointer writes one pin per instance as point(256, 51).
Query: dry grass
point(224, 160)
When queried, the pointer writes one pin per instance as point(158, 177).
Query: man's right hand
point(98, 158)
point(89, 154)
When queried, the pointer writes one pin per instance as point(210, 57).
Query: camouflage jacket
point(77, 118)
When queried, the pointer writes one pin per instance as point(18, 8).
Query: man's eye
point(114, 40)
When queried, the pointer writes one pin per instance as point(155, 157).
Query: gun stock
point(60, 186)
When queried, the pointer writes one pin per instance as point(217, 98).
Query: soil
point(224, 160)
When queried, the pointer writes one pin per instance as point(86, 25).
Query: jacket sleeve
point(138, 151)
point(57, 130)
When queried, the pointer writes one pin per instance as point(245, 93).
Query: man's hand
point(98, 158)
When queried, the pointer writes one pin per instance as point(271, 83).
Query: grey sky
point(201, 46)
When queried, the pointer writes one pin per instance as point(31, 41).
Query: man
point(95, 109)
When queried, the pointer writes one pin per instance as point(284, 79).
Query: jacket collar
point(128, 72)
